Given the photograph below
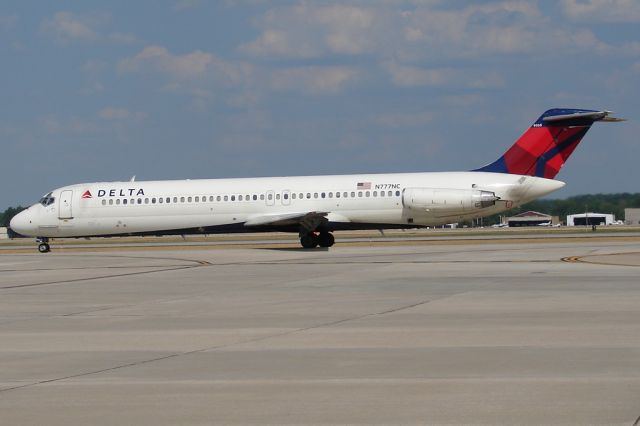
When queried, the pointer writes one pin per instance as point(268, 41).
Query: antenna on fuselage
point(133, 178)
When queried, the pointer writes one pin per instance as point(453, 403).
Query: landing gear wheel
point(326, 239)
point(309, 241)
point(44, 248)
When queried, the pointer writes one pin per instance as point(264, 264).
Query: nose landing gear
point(43, 246)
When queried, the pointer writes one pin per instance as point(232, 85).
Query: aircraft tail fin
point(544, 148)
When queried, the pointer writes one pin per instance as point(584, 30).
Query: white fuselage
point(228, 205)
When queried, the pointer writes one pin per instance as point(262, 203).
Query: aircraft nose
point(22, 223)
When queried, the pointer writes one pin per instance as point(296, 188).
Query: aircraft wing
point(306, 219)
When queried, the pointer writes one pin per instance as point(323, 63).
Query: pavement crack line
point(196, 264)
point(100, 277)
point(224, 346)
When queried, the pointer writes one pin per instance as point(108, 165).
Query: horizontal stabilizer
point(590, 116)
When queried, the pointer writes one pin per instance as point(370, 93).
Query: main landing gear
point(312, 240)
point(43, 246)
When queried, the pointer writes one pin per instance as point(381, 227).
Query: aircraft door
point(64, 207)
point(270, 200)
point(286, 197)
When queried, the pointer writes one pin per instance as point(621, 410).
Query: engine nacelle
point(447, 201)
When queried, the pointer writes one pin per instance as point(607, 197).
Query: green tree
point(8, 214)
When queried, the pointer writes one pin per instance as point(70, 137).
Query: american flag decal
point(364, 185)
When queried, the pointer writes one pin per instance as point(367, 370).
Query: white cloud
point(122, 38)
point(7, 22)
point(277, 42)
point(465, 100)
point(67, 26)
point(420, 30)
point(186, 4)
point(602, 10)
point(54, 125)
point(119, 114)
point(317, 80)
point(403, 120)
point(310, 30)
point(413, 76)
point(196, 65)
point(158, 58)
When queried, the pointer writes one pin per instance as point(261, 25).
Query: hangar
point(532, 218)
point(632, 216)
point(590, 219)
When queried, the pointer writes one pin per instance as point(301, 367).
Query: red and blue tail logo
point(544, 148)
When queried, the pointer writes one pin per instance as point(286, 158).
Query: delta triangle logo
point(87, 194)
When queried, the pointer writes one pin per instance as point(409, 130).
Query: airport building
point(632, 216)
point(3, 233)
point(532, 218)
point(590, 219)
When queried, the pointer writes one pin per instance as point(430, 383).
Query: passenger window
point(286, 196)
point(397, 193)
point(189, 199)
point(233, 198)
point(315, 195)
point(104, 202)
point(308, 195)
point(168, 200)
point(293, 196)
point(337, 195)
point(262, 197)
point(218, 198)
point(226, 198)
point(277, 196)
point(124, 201)
point(323, 195)
point(270, 197)
point(197, 199)
point(375, 193)
point(239, 197)
point(153, 201)
point(331, 195)
point(146, 201)
point(255, 197)
point(161, 200)
point(367, 194)
point(353, 194)
point(359, 193)
point(117, 201)
point(182, 199)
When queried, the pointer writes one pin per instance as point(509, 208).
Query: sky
point(185, 89)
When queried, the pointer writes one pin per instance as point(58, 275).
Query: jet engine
point(447, 201)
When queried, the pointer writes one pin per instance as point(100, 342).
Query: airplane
point(314, 206)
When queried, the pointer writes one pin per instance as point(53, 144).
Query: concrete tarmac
point(474, 333)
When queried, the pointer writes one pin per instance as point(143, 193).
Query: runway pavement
point(478, 332)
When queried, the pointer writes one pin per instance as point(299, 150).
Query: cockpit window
point(47, 200)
